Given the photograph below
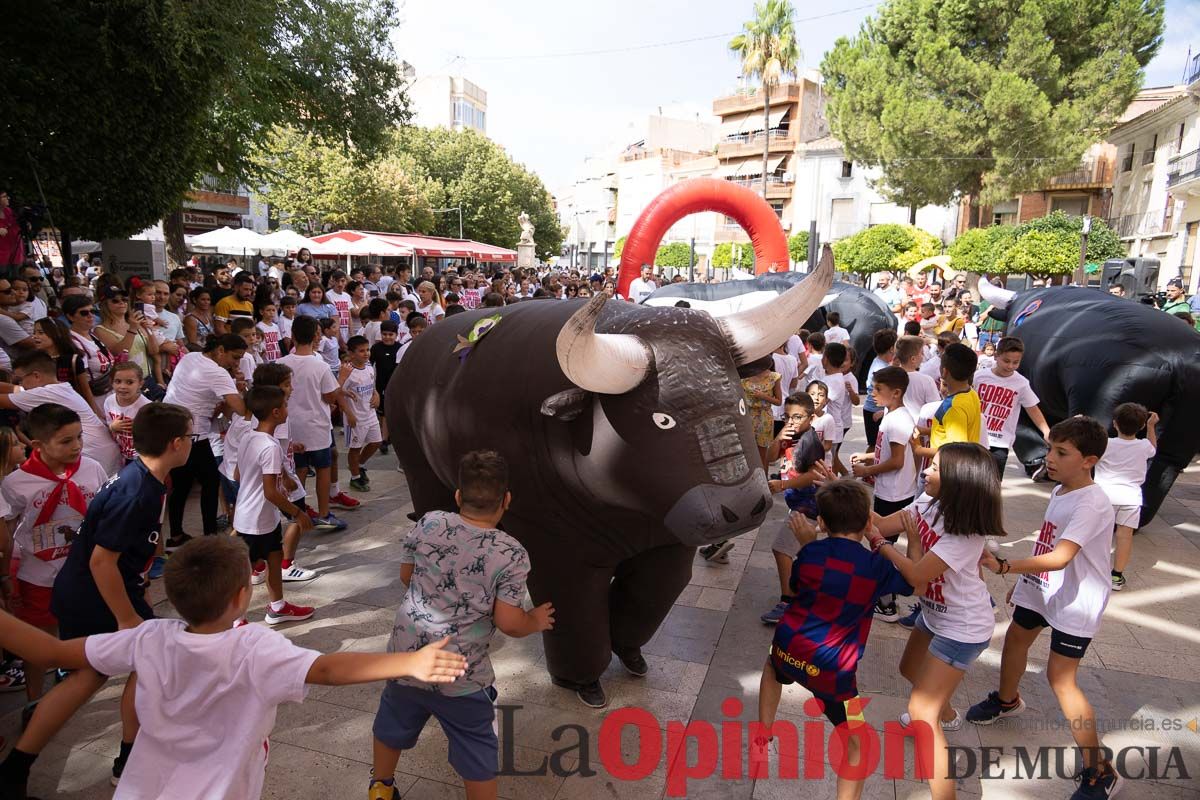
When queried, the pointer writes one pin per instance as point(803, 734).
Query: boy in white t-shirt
point(822, 423)
point(922, 389)
point(363, 436)
point(1121, 473)
point(1064, 586)
point(123, 404)
point(834, 332)
point(838, 390)
point(815, 371)
point(890, 466)
point(261, 499)
point(789, 372)
point(287, 314)
point(207, 692)
point(270, 333)
point(47, 497)
point(1003, 392)
point(341, 300)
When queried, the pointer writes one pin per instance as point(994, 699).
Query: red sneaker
point(343, 500)
point(289, 613)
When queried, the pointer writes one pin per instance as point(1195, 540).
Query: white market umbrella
point(286, 242)
point(230, 241)
point(366, 246)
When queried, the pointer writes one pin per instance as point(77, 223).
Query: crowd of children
point(941, 438)
point(250, 412)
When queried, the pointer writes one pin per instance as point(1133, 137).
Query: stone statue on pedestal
point(525, 247)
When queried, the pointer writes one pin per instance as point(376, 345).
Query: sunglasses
point(84, 312)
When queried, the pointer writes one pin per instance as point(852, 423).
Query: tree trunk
point(173, 235)
point(912, 213)
point(766, 134)
point(64, 252)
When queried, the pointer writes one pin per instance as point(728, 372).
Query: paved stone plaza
point(1144, 666)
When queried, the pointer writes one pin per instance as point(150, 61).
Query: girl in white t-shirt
point(946, 530)
point(823, 423)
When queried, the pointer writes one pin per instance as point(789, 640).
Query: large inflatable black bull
point(626, 432)
point(1087, 352)
point(861, 310)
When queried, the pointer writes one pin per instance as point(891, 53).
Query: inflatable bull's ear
point(757, 331)
point(605, 363)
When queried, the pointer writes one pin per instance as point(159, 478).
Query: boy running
point(1003, 392)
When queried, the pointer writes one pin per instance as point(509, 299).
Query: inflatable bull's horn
point(605, 363)
point(1000, 298)
point(757, 331)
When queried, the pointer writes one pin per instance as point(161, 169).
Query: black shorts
point(834, 710)
point(1000, 456)
point(1065, 644)
point(262, 545)
point(886, 508)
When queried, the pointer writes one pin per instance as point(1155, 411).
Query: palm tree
point(768, 50)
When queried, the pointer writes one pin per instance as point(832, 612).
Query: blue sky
point(567, 79)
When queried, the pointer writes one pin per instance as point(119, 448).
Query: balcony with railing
point(1184, 169)
point(745, 144)
point(1092, 174)
point(1150, 223)
point(750, 99)
point(778, 186)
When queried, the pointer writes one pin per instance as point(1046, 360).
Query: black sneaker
point(117, 769)
point(1096, 784)
point(635, 664)
point(592, 695)
point(987, 711)
point(176, 542)
point(886, 612)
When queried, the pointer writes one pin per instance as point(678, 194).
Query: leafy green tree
point(476, 175)
point(798, 246)
point(768, 51)
point(619, 247)
point(723, 256)
point(1047, 245)
point(315, 185)
point(675, 254)
point(129, 103)
point(884, 248)
point(985, 97)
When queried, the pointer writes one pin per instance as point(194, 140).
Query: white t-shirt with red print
point(270, 341)
point(1000, 401)
point(1073, 599)
point(114, 411)
point(956, 604)
point(341, 301)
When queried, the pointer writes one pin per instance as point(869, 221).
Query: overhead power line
point(648, 46)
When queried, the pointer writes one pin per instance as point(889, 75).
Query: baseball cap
point(1176, 282)
point(109, 291)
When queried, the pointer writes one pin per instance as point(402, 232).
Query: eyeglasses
point(118, 299)
point(84, 312)
point(797, 417)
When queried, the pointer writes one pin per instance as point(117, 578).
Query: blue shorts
point(230, 490)
point(315, 459)
point(467, 722)
point(959, 655)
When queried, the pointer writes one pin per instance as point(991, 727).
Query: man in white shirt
point(889, 293)
point(643, 287)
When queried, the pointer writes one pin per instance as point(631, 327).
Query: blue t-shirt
point(124, 517)
point(835, 583)
point(320, 311)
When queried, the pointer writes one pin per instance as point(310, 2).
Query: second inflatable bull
point(1086, 352)
point(626, 432)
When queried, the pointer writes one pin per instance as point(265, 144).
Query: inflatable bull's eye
point(742, 406)
point(664, 421)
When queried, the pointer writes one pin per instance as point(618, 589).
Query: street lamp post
point(447, 211)
point(1081, 273)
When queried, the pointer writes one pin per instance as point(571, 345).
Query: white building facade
point(1156, 191)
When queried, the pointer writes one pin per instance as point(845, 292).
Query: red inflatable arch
point(753, 213)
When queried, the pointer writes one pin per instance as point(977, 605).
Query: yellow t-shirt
point(229, 307)
point(958, 419)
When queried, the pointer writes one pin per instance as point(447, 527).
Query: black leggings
point(201, 466)
point(870, 427)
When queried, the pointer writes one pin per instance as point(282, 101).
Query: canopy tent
point(230, 241)
point(285, 241)
point(386, 244)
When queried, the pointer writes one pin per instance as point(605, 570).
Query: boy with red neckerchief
point(47, 497)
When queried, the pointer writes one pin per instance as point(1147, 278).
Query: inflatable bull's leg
point(427, 491)
point(643, 591)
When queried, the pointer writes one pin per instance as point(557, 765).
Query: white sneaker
point(258, 576)
point(947, 725)
point(295, 573)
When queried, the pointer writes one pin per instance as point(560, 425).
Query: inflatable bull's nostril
point(609, 499)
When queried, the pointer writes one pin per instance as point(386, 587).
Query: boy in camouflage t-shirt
point(465, 580)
